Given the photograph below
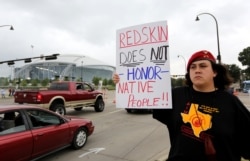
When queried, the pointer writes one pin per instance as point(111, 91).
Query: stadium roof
point(79, 60)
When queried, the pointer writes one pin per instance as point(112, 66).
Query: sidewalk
point(6, 97)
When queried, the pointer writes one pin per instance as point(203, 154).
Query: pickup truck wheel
point(99, 105)
point(80, 138)
point(59, 108)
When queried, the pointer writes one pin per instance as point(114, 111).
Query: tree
point(176, 82)
point(45, 82)
point(34, 82)
point(244, 58)
point(234, 72)
point(96, 80)
point(104, 82)
point(111, 82)
point(3, 81)
point(24, 83)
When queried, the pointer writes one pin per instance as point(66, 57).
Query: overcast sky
point(89, 27)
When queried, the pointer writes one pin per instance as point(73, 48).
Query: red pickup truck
point(61, 95)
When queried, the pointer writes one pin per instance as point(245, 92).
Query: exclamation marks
point(165, 98)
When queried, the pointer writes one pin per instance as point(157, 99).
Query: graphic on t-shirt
point(199, 121)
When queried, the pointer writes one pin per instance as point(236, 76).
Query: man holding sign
point(205, 122)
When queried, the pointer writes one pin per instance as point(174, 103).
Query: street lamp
point(11, 27)
point(81, 71)
point(217, 31)
point(184, 62)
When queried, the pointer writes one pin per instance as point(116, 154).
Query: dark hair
point(222, 80)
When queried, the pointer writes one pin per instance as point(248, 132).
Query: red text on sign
point(144, 35)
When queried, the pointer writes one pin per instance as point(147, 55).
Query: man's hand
point(116, 78)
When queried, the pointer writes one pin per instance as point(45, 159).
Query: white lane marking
point(93, 150)
point(116, 111)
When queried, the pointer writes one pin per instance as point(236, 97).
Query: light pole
point(184, 62)
point(11, 27)
point(217, 31)
point(81, 72)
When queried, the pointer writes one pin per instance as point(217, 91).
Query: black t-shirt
point(194, 115)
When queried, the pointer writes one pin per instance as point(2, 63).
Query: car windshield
point(41, 118)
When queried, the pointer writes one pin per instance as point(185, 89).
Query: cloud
point(89, 27)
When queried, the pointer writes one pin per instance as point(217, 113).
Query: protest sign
point(142, 63)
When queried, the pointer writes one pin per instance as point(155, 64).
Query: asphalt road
point(120, 136)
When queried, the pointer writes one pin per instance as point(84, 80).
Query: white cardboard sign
point(142, 62)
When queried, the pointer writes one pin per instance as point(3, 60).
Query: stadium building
point(72, 67)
